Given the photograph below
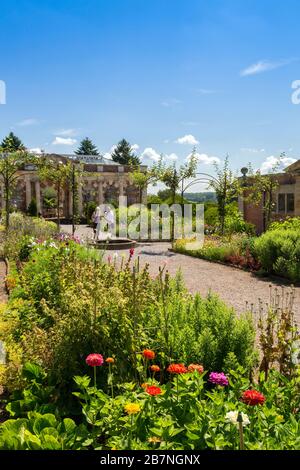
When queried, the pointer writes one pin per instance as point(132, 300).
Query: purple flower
point(218, 378)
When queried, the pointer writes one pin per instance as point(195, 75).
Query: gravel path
point(234, 286)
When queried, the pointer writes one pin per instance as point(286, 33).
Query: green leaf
point(51, 443)
point(33, 372)
point(44, 421)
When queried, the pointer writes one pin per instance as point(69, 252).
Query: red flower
point(196, 367)
point(148, 354)
point(94, 360)
point(177, 369)
point(131, 252)
point(252, 397)
point(155, 368)
point(153, 390)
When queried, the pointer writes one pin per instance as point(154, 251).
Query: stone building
point(103, 181)
point(286, 199)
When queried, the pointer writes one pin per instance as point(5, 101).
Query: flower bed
point(185, 413)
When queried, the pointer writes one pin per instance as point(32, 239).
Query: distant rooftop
point(95, 159)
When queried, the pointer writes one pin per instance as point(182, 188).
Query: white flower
point(115, 256)
point(295, 352)
point(232, 417)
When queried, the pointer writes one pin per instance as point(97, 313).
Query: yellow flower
point(154, 439)
point(132, 408)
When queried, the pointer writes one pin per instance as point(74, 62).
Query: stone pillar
point(241, 204)
point(28, 191)
point(38, 196)
point(121, 187)
point(100, 192)
point(297, 196)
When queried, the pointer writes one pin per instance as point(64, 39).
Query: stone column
point(38, 196)
point(100, 192)
point(241, 204)
point(28, 191)
point(121, 187)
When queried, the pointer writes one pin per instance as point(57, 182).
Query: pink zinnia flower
point(94, 360)
point(218, 378)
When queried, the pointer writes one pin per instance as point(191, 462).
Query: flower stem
point(95, 377)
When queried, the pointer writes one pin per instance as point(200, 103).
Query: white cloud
point(251, 150)
point(151, 154)
point(271, 162)
point(135, 147)
point(172, 157)
point(64, 141)
point(188, 139)
point(66, 132)
point(37, 150)
point(264, 66)
point(107, 155)
point(28, 122)
point(204, 158)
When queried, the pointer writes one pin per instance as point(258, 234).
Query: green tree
point(164, 194)
point(173, 177)
point(142, 179)
point(10, 166)
point(86, 147)
point(261, 189)
point(124, 155)
point(59, 172)
point(226, 186)
point(12, 143)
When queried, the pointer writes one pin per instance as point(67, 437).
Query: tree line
point(122, 153)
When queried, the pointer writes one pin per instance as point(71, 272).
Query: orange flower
point(144, 385)
point(153, 390)
point(155, 368)
point(149, 354)
point(110, 360)
point(177, 369)
point(196, 367)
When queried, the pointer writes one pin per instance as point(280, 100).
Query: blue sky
point(162, 73)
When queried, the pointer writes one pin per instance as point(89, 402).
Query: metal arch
point(207, 178)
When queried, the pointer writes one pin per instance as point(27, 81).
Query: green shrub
point(32, 208)
point(289, 223)
point(279, 252)
point(66, 305)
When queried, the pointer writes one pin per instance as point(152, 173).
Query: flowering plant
point(218, 378)
point(253, 397)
